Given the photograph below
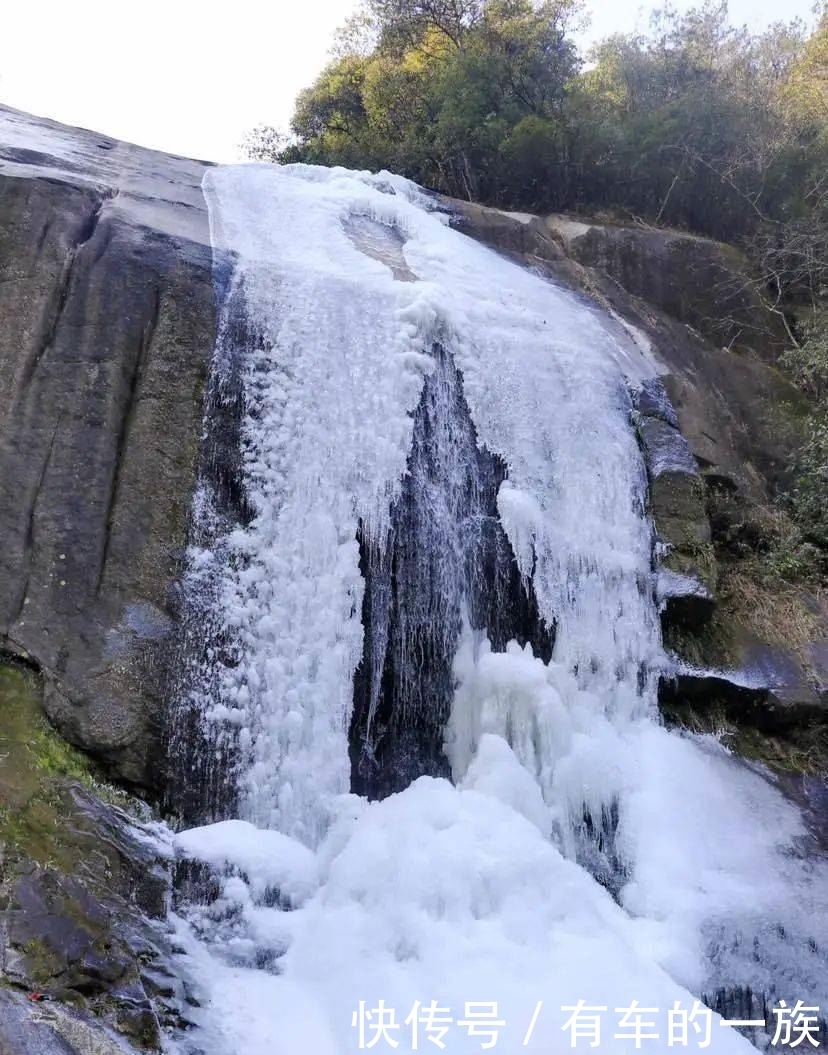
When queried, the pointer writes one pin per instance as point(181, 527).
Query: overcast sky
point(191, 76)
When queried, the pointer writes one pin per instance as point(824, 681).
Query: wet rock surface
point(106, 329)
point(83, 884)
point(28, 1028)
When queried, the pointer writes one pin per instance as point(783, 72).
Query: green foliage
point(807, 501)
point(808, 362)
point(32, 753)
point(809, 498)
point(28, 744)
point(697, 124)
point(450, 95)
point(805, 94)
point(691, 120)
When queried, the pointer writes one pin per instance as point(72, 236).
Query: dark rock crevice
point(82, 236)
point(445, 561)
point(775, 710)
point(133, 392)
point(29, 539)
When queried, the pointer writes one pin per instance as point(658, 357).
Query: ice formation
point(580, 851)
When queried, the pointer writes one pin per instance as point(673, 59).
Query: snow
point(483, 889)
point(267, 858)
point(667, 450)
point(671, 583)
point(447, 894)
point(521, 217)
point(646, 352)
point(456, 894)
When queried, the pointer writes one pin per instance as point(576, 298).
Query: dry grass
point(773, 590)
point(777, 612)
point(805, 751)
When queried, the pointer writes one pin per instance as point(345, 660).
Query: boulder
point(771, 706)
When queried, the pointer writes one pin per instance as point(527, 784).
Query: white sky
point(192, 76)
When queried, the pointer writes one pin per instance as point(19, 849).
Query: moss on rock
point(36, 764)
point(76, 884)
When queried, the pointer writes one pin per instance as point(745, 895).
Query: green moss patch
point(37, 768)
point(29, 747)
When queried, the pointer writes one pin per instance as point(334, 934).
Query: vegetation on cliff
point(697, 125)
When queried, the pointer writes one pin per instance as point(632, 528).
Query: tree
point(442, 94)
point(697, 124)
point(410, 23)
point(689, 121)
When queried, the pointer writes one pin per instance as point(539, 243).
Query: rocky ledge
point(84, 890)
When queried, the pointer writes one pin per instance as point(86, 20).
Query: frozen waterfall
point(430, 659)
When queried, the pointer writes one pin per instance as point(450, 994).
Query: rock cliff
point(106, 331)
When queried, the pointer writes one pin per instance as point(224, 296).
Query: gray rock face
point(46, 1029)
point(774, 700)
point(695, 280)
point(106, 330)
point(730, 401)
